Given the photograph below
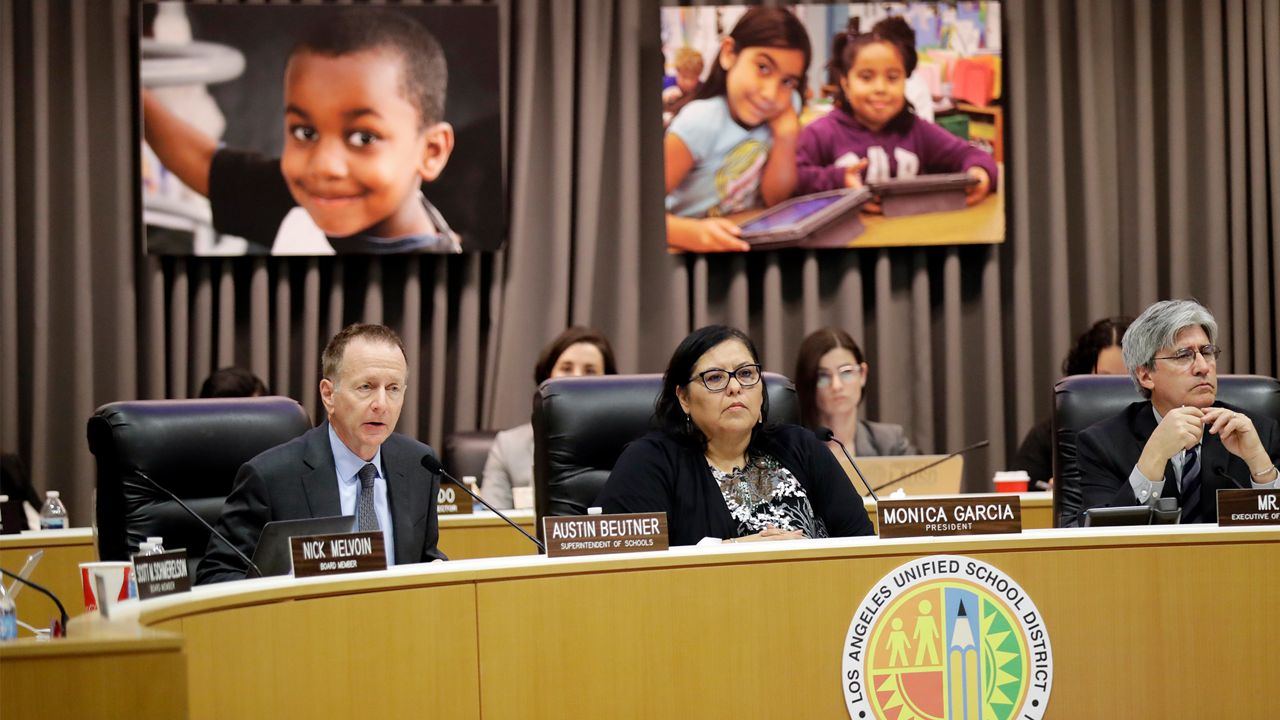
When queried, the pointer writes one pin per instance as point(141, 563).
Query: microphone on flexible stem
point(1222, 473)
point(935, 463)
point(248, 563)
point(433, 466)
point(824, 434)
point(61, 610)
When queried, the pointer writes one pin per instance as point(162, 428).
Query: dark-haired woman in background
point(231, 382)
point(575, 352)
point(1096, 352)
point(718, 468)
point(831, 376)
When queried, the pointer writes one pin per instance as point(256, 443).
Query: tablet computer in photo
point(923, 194)
point(825, 219)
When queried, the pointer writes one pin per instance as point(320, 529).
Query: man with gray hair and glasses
point(1181, 442)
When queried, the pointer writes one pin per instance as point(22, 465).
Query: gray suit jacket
point(510, 464)
point(298, 480)
point(876, 438)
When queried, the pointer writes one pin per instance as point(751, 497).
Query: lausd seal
point(947, 637)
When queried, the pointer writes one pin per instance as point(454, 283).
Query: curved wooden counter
point(731, 631)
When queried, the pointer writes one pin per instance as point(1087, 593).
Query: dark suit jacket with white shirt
point(298, 480)
point(1109, 450)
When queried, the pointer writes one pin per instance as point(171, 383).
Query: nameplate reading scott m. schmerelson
point(163, 574)
point(452, 500)
point(337, 554)
point(960, 515)
point(600, 534)
point(1248, 507)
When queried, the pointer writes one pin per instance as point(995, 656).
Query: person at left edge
point(363, 385)
point(718, 468)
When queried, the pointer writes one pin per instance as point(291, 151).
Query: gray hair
point(1157, 327)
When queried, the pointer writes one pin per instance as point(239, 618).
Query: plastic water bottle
point(3, 499)
point(8, 616)
point(53, 515)
point(151, 546)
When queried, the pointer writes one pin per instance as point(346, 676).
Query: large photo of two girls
point(833, 126)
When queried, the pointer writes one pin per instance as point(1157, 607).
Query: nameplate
point(915, 517)
point(1248, 507)
point(163, 574)
point(600, 534)
point(336, 554)
point(452, 500)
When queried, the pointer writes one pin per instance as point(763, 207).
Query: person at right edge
point(1181, 442)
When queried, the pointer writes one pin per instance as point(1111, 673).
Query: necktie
point(1189, 495)
point(366, 518)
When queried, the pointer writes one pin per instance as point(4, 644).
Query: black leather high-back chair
point(465, 453)
point(191, 447)
point(1082, 400)
point(581, 425)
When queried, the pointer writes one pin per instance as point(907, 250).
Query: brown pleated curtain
point(1143, 145)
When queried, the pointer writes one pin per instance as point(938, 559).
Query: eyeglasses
point(1186, 356)
point(716, 380)
point(847, 374)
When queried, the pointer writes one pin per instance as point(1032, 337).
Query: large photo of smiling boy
point(338, 140)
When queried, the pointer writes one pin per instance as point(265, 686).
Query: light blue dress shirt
point(1147, 491)
point(348, 465)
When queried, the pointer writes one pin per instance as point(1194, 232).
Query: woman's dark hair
point(846, 46)
point(233, 382)
point(667, 413)
point(817, 344)
point(1083, 358)
point(761, 27)
point(572, 336)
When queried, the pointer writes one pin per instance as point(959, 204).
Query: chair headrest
point(181, 443)
point(582, 424)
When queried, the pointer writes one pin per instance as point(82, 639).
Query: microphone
point(248, 563)
point(433, 466)
point(935, 463)
point(62, 629)
point(1222, 473)
point(824, 434)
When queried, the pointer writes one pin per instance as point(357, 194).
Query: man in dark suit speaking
point(353, 464)
point(1181, 442)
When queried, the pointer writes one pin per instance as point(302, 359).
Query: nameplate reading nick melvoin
point(977, 515)
point(599, 534)
point(336, 554)
point(162, 574)
point(1248, 507)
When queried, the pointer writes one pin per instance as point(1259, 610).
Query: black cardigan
point(660, 474)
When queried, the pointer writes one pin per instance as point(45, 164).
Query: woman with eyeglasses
point(716, 465)
point(831, 375)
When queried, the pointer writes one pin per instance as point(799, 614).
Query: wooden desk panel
point(741, 630)
point(97, 677)
point(484, 535)
point(364, 654)
point(59, 571)
point(763, 638)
